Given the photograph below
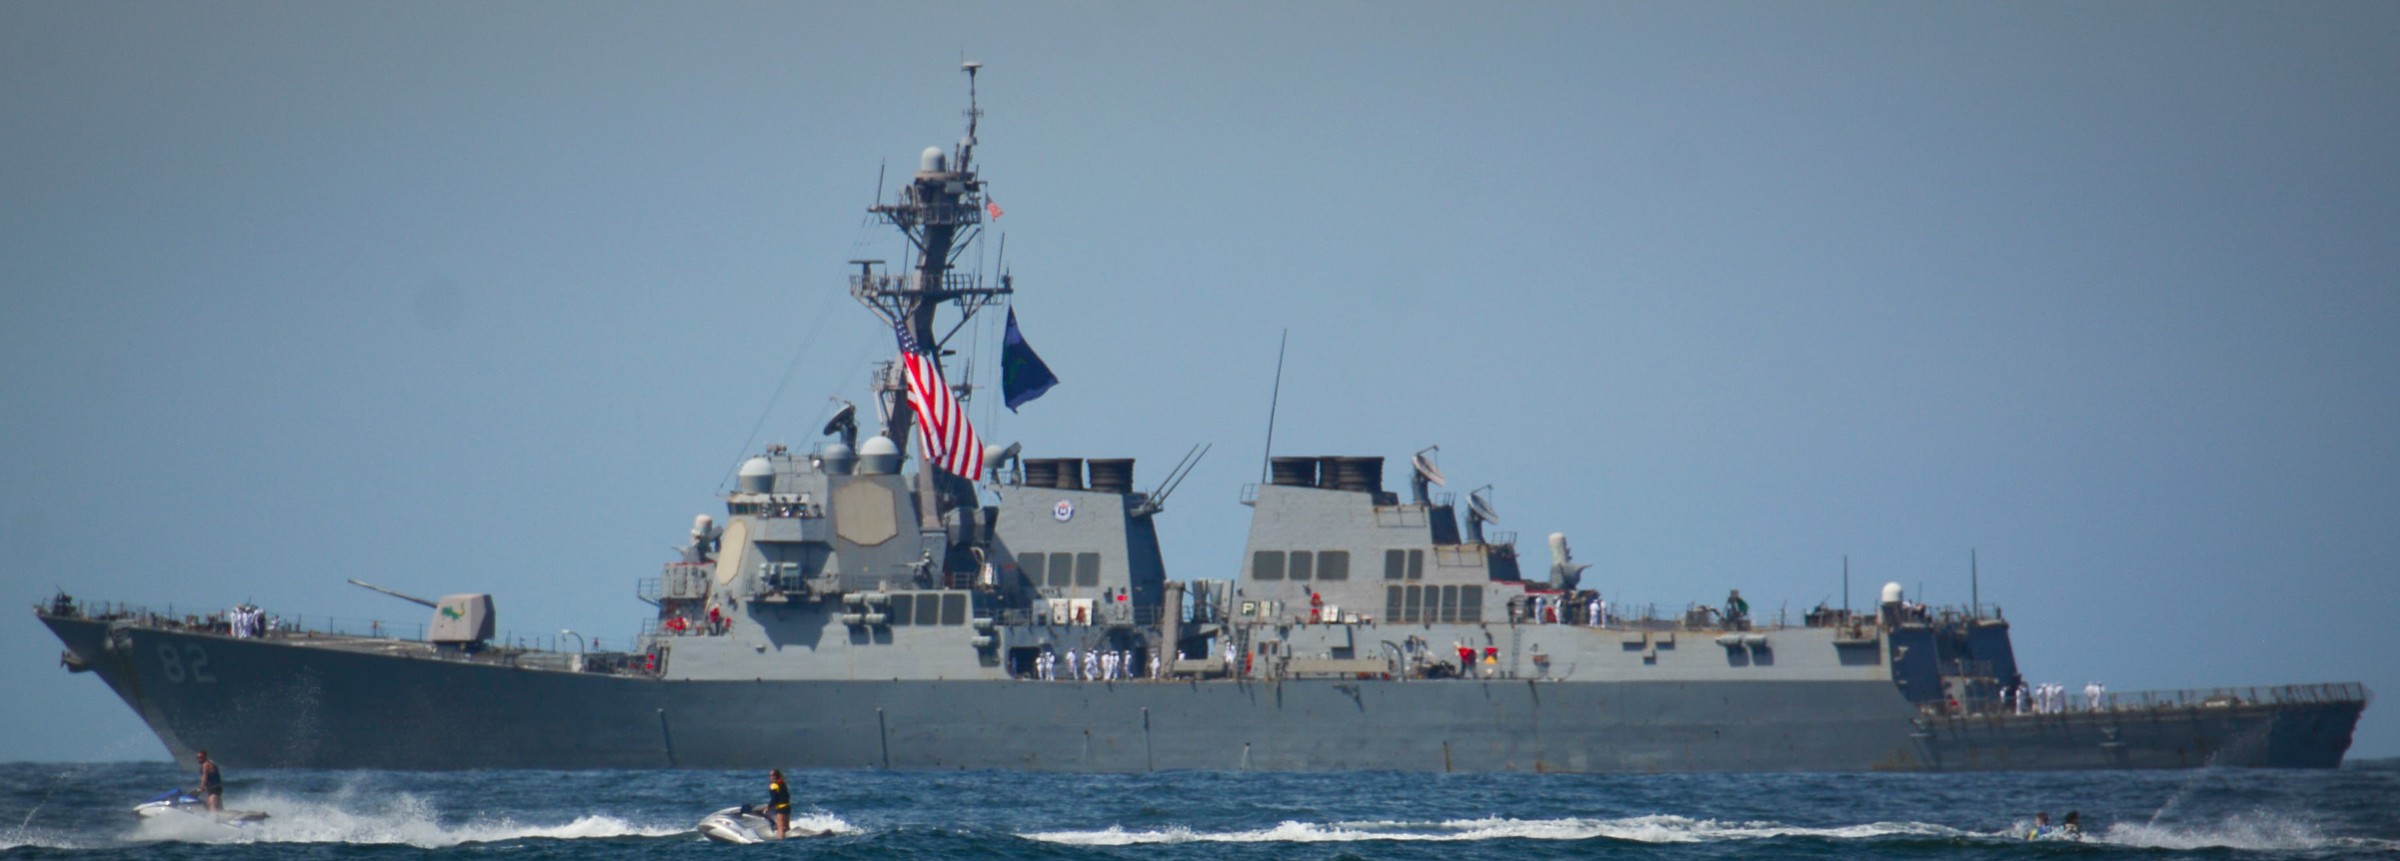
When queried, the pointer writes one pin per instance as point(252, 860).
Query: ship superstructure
point(850, 611)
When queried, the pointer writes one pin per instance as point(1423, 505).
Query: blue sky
point(490, 297)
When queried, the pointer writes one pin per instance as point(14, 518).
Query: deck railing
point(534, 651)
point(2075, 701)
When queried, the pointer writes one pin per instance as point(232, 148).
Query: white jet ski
point(746, 824)
point(181, 802)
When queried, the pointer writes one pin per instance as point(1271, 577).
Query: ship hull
point(270, 703)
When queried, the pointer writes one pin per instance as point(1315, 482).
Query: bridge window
point(1395, 566)
point(1333, 565)
point(1416, 565)
point(1062, 568)
point(1415, 608)
point(1087, 569)
point(929, 609)
point(1391, 602)
point(902, 606)
point(954, 609)
point(1470, 604)
point(1266, 565)
point(1031, 564)
point(1302, 561)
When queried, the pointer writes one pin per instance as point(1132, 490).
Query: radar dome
point(702, 525)
point(1891, 593)
point(878, 456)
point(933, 161)
point(757, 475)
point(837, 458)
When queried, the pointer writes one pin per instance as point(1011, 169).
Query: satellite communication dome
point(1891, 593)
point(933, 161)
point(878, 456)
point(758, 475)
point(702, 525)
point(838, 458)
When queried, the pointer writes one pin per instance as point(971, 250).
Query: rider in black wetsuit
point(212, 783)
point(779, 803)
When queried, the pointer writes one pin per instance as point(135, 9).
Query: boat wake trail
point(38, 838)
point(1636, 829)
point(2258, 831)
point(2261, 832)
point(396, 820)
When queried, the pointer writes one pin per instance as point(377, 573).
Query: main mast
point(940, 210)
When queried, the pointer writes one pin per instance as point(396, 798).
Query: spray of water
point(1637, 829)
point(400, 818)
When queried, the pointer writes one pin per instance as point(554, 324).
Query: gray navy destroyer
point(851, 608)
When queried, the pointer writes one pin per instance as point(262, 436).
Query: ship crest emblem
point(1063, 511)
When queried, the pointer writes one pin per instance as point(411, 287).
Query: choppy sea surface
point(83, 811)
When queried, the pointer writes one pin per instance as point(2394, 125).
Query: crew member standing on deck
point(1737, 611)
point(779, 803)
point(212, 783)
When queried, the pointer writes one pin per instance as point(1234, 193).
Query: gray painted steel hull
point(266, 703)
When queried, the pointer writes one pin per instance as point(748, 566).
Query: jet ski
point(746, 824)
point(181, 802)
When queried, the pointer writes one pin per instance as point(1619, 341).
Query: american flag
point(950, 442)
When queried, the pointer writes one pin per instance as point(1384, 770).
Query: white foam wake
point(1639, 829)
point(2256, 832)
point(39, 838)
point(821, 821)
point(398, 819)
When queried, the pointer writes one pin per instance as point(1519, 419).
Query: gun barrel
point(394, 594)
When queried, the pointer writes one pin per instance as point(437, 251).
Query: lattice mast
point(940, 210)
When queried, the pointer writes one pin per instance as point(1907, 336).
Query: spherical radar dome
point(757, 475)
point(878, 456)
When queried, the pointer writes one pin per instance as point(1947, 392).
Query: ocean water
point(83, 811)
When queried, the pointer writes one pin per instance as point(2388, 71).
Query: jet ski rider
point(212, 783)
point(779, 803)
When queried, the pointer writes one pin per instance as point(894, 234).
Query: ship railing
point(534, 651)
point(2317, 694)
point(953, 214)
point(678, 581)
point(215, 620)
point(1102, 614)
point(913, 282)
point(2076, 701)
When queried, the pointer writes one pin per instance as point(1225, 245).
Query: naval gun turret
point(463, 621)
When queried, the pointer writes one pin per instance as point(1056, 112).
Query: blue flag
point(1023, 377)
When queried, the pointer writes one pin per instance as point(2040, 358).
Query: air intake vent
point(1294, 471)
point(1112, 475)
point(1041, 472)
point(1360, 474)
point(1070, 473)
